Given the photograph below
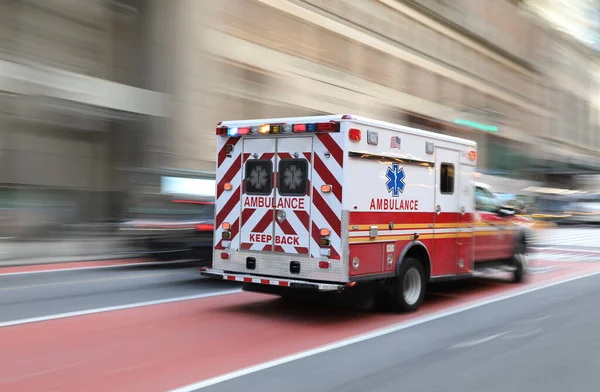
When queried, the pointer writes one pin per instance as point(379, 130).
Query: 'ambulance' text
point(294, 203)
point(394, 204)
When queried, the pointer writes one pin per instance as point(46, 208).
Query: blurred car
point(584, 209)
point(174, 228)
point(551, 207)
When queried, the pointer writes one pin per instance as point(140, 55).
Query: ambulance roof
point(355, 119)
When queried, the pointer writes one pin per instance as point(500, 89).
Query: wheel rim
point(412, 286)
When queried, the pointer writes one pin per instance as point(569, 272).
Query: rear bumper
point(264, 280)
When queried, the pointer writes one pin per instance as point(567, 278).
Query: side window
point(293, 177)
point(447, 178)
point(259, 177)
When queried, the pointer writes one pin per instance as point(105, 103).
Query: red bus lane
point(162, 347)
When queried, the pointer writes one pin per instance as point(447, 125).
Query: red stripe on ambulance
point(333, 147)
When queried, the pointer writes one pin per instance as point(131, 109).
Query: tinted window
point(447, 178)
point(293, 177)
point(259, 177)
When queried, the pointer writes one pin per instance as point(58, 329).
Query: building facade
point(491, 71)
point(101, 96)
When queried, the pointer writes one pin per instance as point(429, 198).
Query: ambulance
point(356, 207)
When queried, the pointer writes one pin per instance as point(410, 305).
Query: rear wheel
point(408, 288)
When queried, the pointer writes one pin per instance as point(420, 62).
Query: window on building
point(447, 178)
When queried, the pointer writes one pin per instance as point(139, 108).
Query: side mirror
point(505, 211)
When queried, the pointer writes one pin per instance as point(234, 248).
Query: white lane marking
point(535, 320)
point(523, 335)
point(565, 297)
point(371, 335)
point(115, 308)
point(472, 343)
point(92, 267)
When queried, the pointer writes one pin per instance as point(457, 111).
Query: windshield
point(486, 200)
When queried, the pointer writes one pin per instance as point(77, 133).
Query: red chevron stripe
point(222, 154)
point(246, 214)
point(308, 156)
point(264, 222)
point(287, 229)
point(326, 211)
point(304, 218)
point(229, 175)
point(327, 177)
point(331, 145)
point(231, 203)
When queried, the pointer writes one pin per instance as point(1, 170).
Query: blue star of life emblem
point(395, 183)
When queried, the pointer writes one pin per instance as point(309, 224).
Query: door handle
point(462, 210)
point(438, 209)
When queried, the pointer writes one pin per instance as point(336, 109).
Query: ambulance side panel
point(392, 186)
point(394, 196)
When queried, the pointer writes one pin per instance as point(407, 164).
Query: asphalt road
point(49, 293)
point(542, 341)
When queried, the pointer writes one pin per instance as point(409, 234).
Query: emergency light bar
point(275, 129)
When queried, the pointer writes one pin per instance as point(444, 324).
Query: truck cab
point(498, 231)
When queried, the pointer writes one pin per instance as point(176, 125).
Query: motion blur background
point(103, 102)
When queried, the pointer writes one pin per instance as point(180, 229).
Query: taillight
point(323, 264)
point(221, 131)
point(325, 232)
point(331, 126)
point(326, 188)
point(354, 134)
point(328, 127)
point(226, 226)
point(324, 242)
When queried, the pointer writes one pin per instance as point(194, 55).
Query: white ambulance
point(352, 205)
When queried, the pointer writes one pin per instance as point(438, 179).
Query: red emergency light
point(269, 129)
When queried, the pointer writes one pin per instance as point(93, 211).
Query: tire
point(408, 288)
point(519, 261)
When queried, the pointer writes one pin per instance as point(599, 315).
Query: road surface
point(543, 341)
point(163, 327)
point(47, 293)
